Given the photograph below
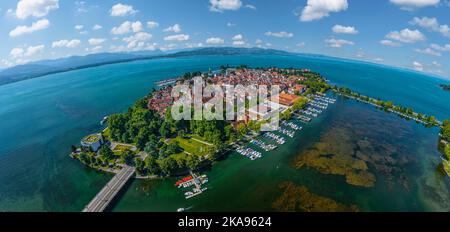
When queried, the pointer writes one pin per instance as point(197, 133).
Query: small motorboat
point(102, 122)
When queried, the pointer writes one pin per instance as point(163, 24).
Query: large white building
point(94, 142)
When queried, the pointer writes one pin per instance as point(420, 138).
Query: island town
point(148, 143)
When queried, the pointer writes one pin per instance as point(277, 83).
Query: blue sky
point(407, 33)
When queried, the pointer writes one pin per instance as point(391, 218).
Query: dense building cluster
point(289, 85)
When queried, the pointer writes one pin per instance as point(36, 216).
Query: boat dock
point(193, 180)
point(316, 106)
point(107, 194)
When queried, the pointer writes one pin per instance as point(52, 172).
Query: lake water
point(42, 117)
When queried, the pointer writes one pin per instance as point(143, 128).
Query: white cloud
point(281, 34)
point(238, 37)
point(194, 45)
point(444, 48)
point(168, 47)
point(258, 42)
point(5, 63)
point(122, 10)
point(140, 36)
point(79, 27)
point(390, 43)
point(33, 50)
point(238, 43)
point(136, 26)
point(339, 29)
point(229, 24)
point(337, 43)
point(73, 43)
point(96, 41)
point(152, 24)
point(317, 9)
point(215, 41)
point(221, 5)
point(96, 27)
point(418, 66)
point(179, 37)
point(81, 6)
point(137, 41)
point(134, 46)
point(414, 4)
point(35, 8)
point(36, 26)
point(252, 7)
point(432, 24)
point(95, 49)
point(22, 61)
point(66, 43)
point(16, 53)
point(175, 28)
point(378, 59)
point(436, 64)
point(301, 44)
point(406, 36)
point(361, 54)
point(127, 27)
point(428, 51)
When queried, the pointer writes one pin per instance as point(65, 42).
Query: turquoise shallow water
point(42, 117)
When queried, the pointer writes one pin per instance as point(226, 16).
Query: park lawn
point(119, 149)
point(198, 137)
point(228, 142)
point(106, 133)
point(179, 156)
point(191, 146)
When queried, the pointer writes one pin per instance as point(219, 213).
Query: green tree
point(447, 152)
point(300, 103)
point(242, 129)
point(431, 120)
point(116, 124)
point(84, 157)
point(127, 157)
point(165, 130)
point(140, 166)
point(142, 138)
point(389, 104)
point(445, 130)
point(193, 162)
point(286, 115)
point(151, 165)
point(229, 132)
point(168, 166)
point(151, 147)
point(106, 153)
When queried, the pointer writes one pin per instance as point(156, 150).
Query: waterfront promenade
point(107, 194)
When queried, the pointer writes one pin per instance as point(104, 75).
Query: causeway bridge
point(107, 194)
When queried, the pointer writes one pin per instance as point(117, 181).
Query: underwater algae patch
point(335, 156)
point(300, 199)
point(371, 142)
point(354, 170)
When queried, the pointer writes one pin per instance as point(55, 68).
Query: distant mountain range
point(45, 67)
